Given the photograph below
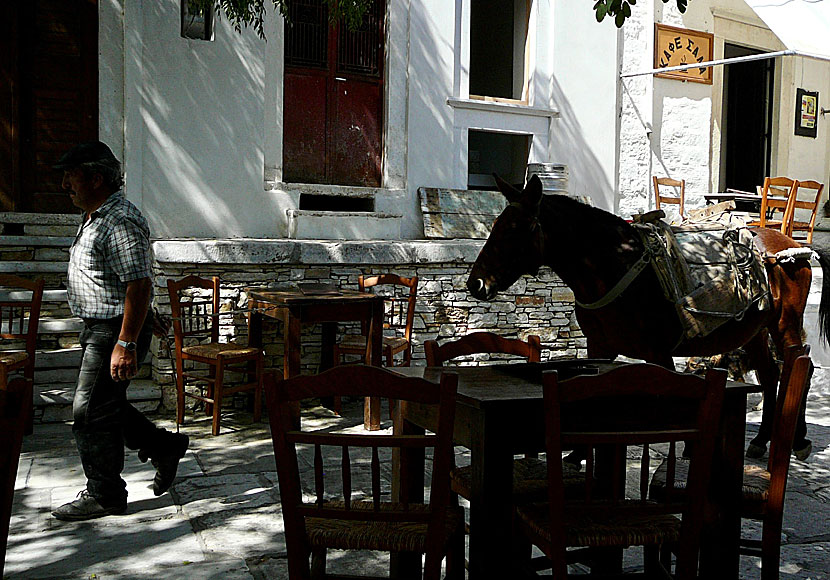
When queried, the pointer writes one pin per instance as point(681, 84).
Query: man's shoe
point(86, 507)
point(167, 464)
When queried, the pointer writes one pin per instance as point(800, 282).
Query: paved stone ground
point(222, 518)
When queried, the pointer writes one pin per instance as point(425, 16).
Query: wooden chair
point(194, 303)
point(400, 294)
point(637, 404)
point(362, 519)
point(810, 202)
point(20, 301)
point(764, 489)
point(15, 399)
point(661, 197)
point(781, 187)
point(399, 313)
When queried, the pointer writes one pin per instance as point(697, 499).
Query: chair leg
point(318, 563)
point(258, 390)
point(217, 397)
point(210, 390)
point(179, 391)
point(455, 557)
point(771, 547)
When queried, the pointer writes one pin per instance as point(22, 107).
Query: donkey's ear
point(510, 192)
point(532, 194)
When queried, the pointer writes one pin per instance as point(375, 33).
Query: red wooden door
point(49, 102)
point(333, 109)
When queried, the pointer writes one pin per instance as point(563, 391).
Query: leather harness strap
point(620, 286)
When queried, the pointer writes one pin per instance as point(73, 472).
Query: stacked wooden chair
point(195, 304)
point(13, 405)
point(358, 519)
point(775, 197)
point(805, 199)
point(663, 196)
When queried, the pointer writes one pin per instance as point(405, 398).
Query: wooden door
point(49, 101)
point(333, 109)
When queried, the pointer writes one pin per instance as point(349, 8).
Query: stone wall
point(539, 305)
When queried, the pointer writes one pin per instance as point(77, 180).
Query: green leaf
point(619, 19)
point(602, 10)
point(681, 5)
point(626, 10)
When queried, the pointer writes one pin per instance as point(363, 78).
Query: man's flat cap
point(87, 152)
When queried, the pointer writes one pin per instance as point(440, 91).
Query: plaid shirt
point(110, 249)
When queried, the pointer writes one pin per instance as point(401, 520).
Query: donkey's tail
point(824, 305)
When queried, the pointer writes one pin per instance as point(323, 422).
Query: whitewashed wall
point(673, 128)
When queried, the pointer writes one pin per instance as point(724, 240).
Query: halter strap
point(620, 286)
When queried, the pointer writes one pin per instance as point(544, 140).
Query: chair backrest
point(12, 422)
point(632, 405)
point(292, 446)
point(787, 408)
point(775, 195)
point(194, 303)
point(20, 302)
point(806, 196)
point(482, 342)
point(661, 197)
point(399, 307)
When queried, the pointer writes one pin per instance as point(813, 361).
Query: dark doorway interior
point(48, 97)
point(748, 90)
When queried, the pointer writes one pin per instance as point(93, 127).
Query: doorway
point(49, 99)
point(332, 119)
point(748, 114)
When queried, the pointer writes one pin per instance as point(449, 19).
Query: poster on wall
point(806, 111)
point(679, 46)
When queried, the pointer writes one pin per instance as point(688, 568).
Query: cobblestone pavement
point(222, 518)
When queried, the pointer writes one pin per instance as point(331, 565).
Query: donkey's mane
point(591, 227)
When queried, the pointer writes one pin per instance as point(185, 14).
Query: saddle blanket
point(711, 271)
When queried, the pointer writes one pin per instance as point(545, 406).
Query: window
point(197, 24)
point(498, 49)
point(504, 154)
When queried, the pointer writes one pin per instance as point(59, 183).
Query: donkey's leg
point(766, 368)
point(802, 447)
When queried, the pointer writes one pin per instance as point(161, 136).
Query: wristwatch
point(130, 346)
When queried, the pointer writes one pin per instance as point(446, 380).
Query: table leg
point(328, 334)
point(719, 557)
point(291, 356)
point(491, 511)
point(371, 410)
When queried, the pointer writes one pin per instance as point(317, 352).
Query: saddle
point(711, 271)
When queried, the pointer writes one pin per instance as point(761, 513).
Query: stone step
point(337, 225)
point(37, 241)
point(58, 359)
point(30, 267)
point(50, 325)
point(62, 393)
point(56, 295)
point(53, 404)
point(50, 230)
point(39, 218)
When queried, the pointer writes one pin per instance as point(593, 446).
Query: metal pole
point(709, 63)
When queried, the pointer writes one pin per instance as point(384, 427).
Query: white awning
point(803, 26)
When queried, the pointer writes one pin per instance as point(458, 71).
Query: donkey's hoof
point(803, 453)
point(756, 451)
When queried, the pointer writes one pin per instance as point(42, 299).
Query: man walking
point(110, 287)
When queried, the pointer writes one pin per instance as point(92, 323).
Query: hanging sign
point(678, 46)
point(806, 109)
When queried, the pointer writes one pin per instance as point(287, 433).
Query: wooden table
point(499, 413)
point(295, 308)
point(748, 202)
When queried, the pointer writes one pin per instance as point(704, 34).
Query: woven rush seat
point(358, 341)
point(530, 479)
point(10, 358)
point(755, 483)
point(621, 530)
point(382, 536)
point(213, 350)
